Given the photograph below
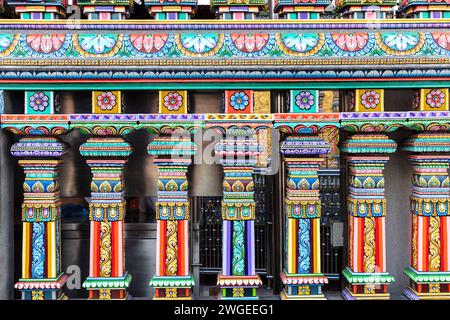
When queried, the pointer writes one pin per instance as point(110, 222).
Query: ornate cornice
point(263, 50)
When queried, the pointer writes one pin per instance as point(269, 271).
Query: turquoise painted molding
point(201, 85)
point(208, 52)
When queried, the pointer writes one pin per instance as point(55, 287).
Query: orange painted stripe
point(444, 243)
point(350, 242)
point(295, 247)
point(361, 244)
point(47, 251)
point(162, 248)
point(96, 249)
point(113, 249)
point(379, 258)
point(181, 252)
point(411, 256)
point(426, 246)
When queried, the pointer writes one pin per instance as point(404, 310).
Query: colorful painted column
point(42, 277)
point(40, 9)
point(238, 279)
point(425, 9)
point(237, 10)
point(171, 10)
point(302, 10)
point(429, 271)
point(106, 9)
point(301, 275)
point(366, 272)
point(106, 156)
point(172, 279)
point(361, 9)
point(107, 276)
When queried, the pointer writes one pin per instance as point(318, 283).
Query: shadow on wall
point(398, 190)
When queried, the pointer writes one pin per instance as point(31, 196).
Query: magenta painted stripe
point(226, 254)
point(251, 248)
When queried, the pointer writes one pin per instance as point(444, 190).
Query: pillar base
point(348, 295)
point(427, 285)
point(172, 287)
point(286, 296)
point(366, 285)
point(42, 289)
point(302, 286)
point(412, 294)
point(238, 287)
point(108, 288)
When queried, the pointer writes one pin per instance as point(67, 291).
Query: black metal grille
point(211, 228)
point(330, 193)
point(210, 233)
point(263, 223)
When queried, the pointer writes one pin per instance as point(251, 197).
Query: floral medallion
point(97, 45)
point(149, 45)
point(303, 101)
point(440, 42)
point(45, 45)
point(199, 44)
point(106, 101)
point(401, 44)
point(173, 102)
point(39, 102)
point(249, 45)
point(350, 44)
point(300, 44)
point(238, 101)
point(435, 98)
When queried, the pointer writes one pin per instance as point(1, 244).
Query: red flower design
point(435, 98)
point(45, 43)
point(250, 42)
point(148, 43)
point(350, 41)
point(442, 39)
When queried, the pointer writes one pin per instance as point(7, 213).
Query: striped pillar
point(238, 279)
point(302, 277)
point(106, 157)
point(42, 277)
point(172, 279)
point(429, 271)
point(366, 272)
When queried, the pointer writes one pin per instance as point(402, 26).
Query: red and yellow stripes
point(380, 245)
point(445, 243)
point(117, 249)
point(50, 249)
point(182, 248)
point(430, 243)
point(292, 245)
point(94, 268)
point(357, 243)
point(315, 240)
point(367, 252)
point(26, 249)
